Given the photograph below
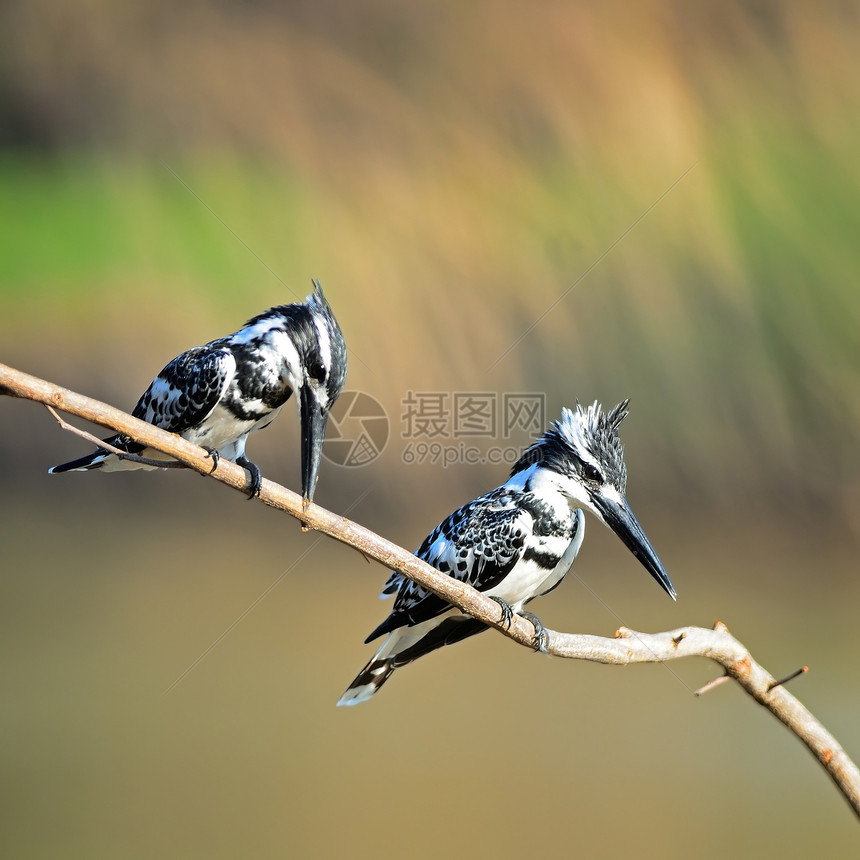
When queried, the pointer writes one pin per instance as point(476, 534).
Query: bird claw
point(216, 458)
point(507, 612)
point(540, 640)
point(256, 476)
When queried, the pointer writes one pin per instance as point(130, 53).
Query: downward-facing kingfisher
point(216, 395)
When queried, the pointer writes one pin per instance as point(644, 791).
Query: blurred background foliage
point(655, 200)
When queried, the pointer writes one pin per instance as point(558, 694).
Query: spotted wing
point(479, 544)
point(188, 388)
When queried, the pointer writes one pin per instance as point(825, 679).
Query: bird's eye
point(592, 473)
point(316, 371)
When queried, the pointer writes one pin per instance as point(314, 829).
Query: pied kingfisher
point(216, 395)
point(515, 543)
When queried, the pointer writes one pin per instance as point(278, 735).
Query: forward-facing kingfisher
point(516, 543)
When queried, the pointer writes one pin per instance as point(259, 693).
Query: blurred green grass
point(748, 328)
point(78, 221)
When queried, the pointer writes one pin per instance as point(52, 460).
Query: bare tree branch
point(627, 646)
point(123, 455)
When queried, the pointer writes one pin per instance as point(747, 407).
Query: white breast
point(528, 579)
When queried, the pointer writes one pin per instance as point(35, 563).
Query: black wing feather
point(479, 544)
point(181, 396)
point(187, 389)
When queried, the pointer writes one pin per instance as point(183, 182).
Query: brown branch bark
point(627, 646)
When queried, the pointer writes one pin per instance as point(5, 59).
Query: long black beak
point(620, 519)
point(313, 420)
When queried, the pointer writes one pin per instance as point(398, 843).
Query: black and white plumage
point(216, 395)
point(515, 543)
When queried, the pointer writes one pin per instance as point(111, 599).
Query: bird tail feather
point(83, 464)
point(107, 460)
point(368, 681)
point(404, 645)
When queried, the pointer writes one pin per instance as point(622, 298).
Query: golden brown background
point(448, 170)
